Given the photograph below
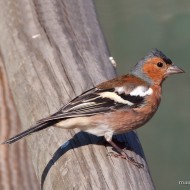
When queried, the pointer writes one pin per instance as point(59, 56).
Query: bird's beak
point(174, 70)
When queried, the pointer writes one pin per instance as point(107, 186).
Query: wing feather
point(96, 101)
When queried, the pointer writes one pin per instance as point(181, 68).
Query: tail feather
point(37, 127)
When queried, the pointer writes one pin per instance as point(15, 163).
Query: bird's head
point(155, 67)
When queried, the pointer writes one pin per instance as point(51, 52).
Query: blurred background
point(132, 28)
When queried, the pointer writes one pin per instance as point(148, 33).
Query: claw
point(126, 157)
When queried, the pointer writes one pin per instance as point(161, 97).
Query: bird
point(117, 106)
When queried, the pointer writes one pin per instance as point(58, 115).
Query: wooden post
point(53, 51)
point(16, 170)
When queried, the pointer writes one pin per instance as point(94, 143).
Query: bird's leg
point(122, 154)
point(123, 145)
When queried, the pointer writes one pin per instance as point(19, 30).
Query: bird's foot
point(123, 145)
point(126, 157)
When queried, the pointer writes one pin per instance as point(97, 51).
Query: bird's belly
point(116, 122)
point(99, 130)
point(134, 120)
point(131, 124)
point(123, 122)
point(94, 126)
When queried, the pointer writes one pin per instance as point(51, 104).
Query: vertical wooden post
point(16, 170)
point(53, 51)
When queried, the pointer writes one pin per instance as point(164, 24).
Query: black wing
point(95, 101)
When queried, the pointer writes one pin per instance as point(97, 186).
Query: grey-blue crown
point(157, 53)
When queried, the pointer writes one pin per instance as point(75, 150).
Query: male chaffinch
point(116, 106)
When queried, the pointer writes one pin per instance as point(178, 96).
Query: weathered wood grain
point(16, 169)
point(53, 51)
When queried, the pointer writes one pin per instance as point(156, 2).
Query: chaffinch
point(116, 106)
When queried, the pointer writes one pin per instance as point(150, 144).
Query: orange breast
point(122, 121)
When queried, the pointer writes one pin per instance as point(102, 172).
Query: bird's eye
point(159, 64)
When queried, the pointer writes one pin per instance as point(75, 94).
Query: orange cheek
point(152, 72)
